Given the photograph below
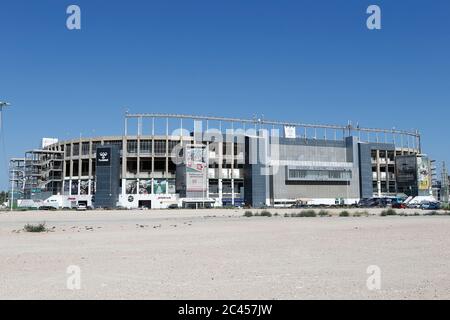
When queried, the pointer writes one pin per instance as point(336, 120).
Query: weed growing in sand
point(307, 214)
point(266, 213)
point(248, 214)
point(35, 227)
point(361, 214)
point(344, 214)
point(388, 212)
point(324, 213)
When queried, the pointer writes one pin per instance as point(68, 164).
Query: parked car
point(399, 205)
point(430, 206)
point(81, 207)
point(414, 205)
point(47, 208)
point(374, 202)
point(173, 206)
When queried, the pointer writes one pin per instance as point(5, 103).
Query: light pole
point(4, 104)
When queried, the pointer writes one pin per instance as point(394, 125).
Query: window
point(172, 144)
point(67, 168)
point(160, 147)
point(146, 146)
point(145, 165)
point(75, 168)
point(160, 164)
point(132, 165)
point(132, 146)
point(319, 175)
point(76, 149)
point(117, 143)
point(85, 148)
point(85, 167)
point(95, 144)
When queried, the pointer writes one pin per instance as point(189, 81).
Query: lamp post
point(4, 104)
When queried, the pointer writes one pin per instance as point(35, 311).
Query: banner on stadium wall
point(423, 173)
point(289, 132)
point(196, 169)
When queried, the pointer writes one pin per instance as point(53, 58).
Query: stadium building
point(198, 161)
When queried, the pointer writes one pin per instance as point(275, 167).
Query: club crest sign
point(103, 156)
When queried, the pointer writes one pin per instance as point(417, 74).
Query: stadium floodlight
point(4, 104)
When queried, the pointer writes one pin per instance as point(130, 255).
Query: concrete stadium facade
point(315, 164)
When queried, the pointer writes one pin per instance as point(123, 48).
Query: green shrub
point(248, 214)
point(265, 213)
point(388, 212)
point(276, 214)
point(360, 213)
point(432, 213)
point(307, 213)
point(324, 213)
point(344, 214)
point(286, 215)
point(35, 228)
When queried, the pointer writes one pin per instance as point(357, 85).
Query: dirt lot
point(219, 254)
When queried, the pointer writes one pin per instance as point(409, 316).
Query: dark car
point(398, 205)
point(430, 206)
point(47, 208)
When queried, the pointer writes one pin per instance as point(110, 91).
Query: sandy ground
point(219, 254)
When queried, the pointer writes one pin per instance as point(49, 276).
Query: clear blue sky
point(309, 61)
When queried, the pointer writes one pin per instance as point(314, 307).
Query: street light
point(4, 104)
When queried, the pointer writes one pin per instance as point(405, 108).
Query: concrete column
point(232, 191)
point(220, 166)
point(152, 154)
point(124, 164)
point(387, 171)
point(80, 162)
point(167, 155)
point(138, 157)
point(90, 173)
point(378, 174)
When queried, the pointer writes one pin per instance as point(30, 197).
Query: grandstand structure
point(317, 164)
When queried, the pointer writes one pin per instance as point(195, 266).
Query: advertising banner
point(84, 187)
point(196, 170)
point(423, 173)
point(159, 186)
point(131, 187)
point(145, 186)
